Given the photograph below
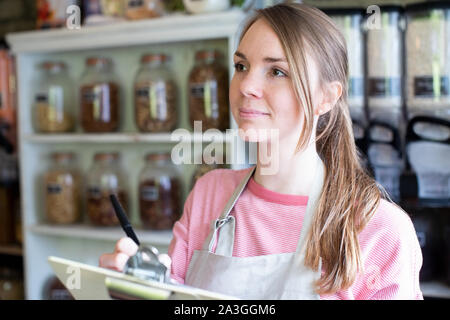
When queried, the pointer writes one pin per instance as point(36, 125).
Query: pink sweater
point(268, 222)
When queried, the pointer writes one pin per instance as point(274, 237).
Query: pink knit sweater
point(268, 222)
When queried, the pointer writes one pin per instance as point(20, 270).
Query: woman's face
point(261, 92)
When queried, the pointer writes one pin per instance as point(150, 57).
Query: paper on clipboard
point(86, 282)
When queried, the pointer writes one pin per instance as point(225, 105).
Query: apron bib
point(274, 276)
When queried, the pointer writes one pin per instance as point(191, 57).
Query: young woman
point(317, 227)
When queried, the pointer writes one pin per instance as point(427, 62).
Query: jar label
point(54, 188)
point(135, 3)
point(431, 87)
point(384, 87)
point(355, 87)
point(94, 192)
point(197, 90)
point(41, 98)
point(149, 193)
point(155, 96)
point(208, 91)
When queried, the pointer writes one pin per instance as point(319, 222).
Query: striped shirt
point(268, 222)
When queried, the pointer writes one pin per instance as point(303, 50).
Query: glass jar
point(208, 91)
point(155, 95)
point(100, 96)
point(385, 61)
point(428, 59)
point(144, 9)
point(349, 22)
point(160, 189)
point(62, 185)
point(104, 178)
point(54, 109)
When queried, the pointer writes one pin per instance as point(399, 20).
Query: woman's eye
point(278, 73)
point(239, 67)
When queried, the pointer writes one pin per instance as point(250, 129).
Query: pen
point(120, 213)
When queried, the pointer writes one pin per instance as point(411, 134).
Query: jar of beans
point(104, 178)
point(160, 190)
point(54, 110)
point(208, 91)
point(62, 186)
point(155, 95)
point(100, 96)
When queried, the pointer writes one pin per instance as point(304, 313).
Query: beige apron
point(274, 276)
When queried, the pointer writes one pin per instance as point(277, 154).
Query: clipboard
point(87, 282)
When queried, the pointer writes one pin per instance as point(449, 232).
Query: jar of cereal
point(62, 189)
point(160, 189)
point(100, 96)
point(155, 95)
point(54, 110)
point(104, 178)
point(208, 91)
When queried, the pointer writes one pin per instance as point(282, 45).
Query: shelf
point(156, 238)
point(128, 138)
point(173, 28)
point(435, 289)
point(11, 249)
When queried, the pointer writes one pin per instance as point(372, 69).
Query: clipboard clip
point(146, 264)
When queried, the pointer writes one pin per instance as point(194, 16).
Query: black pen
point(120, 213)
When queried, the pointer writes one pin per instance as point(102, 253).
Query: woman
point(315, 228)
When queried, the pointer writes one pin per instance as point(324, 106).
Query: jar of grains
point(208, 91)
point(385, 61)
point(62, 189)
point(100, 96)
point(104, 178)
point(428, 59)
point(155, 95)
point(349, 22)
point(160, 190)
point(54, 109)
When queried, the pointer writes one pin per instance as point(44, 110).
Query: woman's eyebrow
point(266, 59)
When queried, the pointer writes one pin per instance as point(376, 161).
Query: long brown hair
point(349, 196)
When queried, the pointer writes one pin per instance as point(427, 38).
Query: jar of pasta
point(155, 95)
point(208, 91)
point(100, 96)
point(62, 185)
point(104, 178)
point(160, 189)
point(54, 110)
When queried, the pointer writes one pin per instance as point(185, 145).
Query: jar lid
point(106, 156)
point(158, 156)
point(60, 156)
point(208, 54)
point(154, 57)
point(49, 65)
point(92, 61)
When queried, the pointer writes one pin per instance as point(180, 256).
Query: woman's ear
point(330, 96)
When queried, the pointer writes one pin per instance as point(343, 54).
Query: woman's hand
point(125, 248)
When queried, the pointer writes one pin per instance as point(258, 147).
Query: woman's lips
point(250, 113)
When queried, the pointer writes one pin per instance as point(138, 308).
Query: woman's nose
point(251, 86)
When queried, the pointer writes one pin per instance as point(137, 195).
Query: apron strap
point(313, 202)
point(226, 223)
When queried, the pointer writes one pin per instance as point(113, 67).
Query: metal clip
point(146, 265)
point(221, 222)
